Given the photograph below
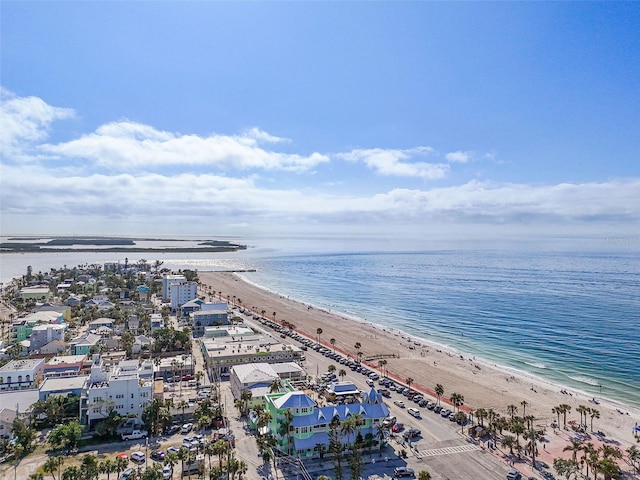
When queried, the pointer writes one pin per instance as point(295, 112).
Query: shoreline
point(483, 383)
point(454, 350)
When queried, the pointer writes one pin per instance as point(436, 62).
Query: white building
point(178, 290)
point(180, 294)
point(18, 374)
point(126, 388)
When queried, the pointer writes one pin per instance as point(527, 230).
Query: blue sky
point(224, 118)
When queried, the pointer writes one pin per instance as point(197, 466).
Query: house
point(73, 301)
point(37, 293)
point(143, 292)
point(45, 333)
point(257, 377)
point(133, 324)
point(210, 314)
point(83, 344)
point(310, 425)
point(63, 386)
point(63, 310)
point(19, 374)
point(155, 322)
point(53, 347)
point(191, 306)
point(64, 366)
point(141, 342)
point(7, 416)
point(101, 322)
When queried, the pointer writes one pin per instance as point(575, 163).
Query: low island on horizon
point(47, 244)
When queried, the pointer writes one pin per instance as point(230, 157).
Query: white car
point(138, 456)
point(167, 472)
point(399, 403)
point(186, 428)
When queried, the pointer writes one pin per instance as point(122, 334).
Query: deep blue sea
point(569, 317)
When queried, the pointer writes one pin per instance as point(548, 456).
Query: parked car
point(397, 427)
point(173, 429)
point(514, 474)
point(167, 472)
point(135, 435)
point(399, 403)
point(403, 472)
point(414, 412)
point(127, 474)
point(138, 456)
point(158, 455)
point(186, 428)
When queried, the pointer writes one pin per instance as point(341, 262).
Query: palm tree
point(342, 373)
point(564, 409)
point(481, 414)
point(574, 447)
point(36, 476)
point(318, 333)
point(172, 459)
point(509, 441)
point(381, 364)
point(333, 344)
point(409, 381)
point(275, 385)
point(424, 475)
point(594, 414)
point(457, 399)
point(107, 466)
point(512, 410)
point(439, 392)
point(52, 465)
point(121, 464)
point(381, 433)
point(357, 346)
point(245, 397)
point(331, 368)
point(286, 427)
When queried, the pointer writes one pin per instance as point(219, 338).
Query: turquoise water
point(570, 317)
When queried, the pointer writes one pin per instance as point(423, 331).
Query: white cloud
point(394, 162)
point(126, 145)
point(23, 121)
point(458, 156)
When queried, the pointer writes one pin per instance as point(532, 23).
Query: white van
point(414, 412)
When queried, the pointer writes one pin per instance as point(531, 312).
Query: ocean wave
point(537, 365)
point(583, 379)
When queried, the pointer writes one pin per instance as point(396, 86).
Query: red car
point(398, 427)
point(186, 378)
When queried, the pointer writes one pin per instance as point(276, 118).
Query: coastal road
point(442, 448)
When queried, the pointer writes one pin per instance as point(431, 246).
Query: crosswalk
point(469, 447)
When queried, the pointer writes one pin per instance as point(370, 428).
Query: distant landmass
point(110, 244)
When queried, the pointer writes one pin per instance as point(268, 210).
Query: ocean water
point(569, 317)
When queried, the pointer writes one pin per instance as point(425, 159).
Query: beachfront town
point(132, 371)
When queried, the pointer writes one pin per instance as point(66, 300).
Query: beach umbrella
point(636, 428)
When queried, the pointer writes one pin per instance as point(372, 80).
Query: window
point(19, 378)
point(132, 395)
point(9, 379)
point(28, 378)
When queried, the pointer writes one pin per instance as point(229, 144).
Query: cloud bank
point(131, 171)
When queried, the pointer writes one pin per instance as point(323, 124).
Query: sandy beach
point(482, 384)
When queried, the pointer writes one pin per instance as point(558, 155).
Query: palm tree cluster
point(603, 460)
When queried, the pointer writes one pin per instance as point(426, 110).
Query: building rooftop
point(56, 384)
point(22, 364)
point(255, 372)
